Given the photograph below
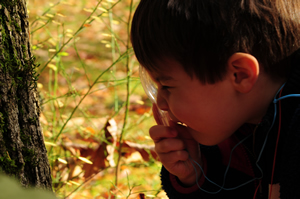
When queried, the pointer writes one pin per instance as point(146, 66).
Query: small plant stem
point(113, 54)
point(55, 83)
point(87, 93)
point(127, 98)
point(82, 63)
point(51, 92)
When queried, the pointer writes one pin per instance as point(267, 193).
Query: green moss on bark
point(23, 76)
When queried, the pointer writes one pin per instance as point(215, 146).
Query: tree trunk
point(22, 149)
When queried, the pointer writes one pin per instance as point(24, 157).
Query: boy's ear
point(243, 70)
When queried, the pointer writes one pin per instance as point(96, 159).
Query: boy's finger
point(183, 131)
point(173, 157)
point(168, 145)
point(191, 145)
point(160, 132)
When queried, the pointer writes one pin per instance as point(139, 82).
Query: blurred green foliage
point(11, 189)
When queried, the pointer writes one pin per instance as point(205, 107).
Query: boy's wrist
point(194, 177)
point(191, 179)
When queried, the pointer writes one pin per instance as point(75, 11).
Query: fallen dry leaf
point(143, 149)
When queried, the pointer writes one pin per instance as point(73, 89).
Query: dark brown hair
point(203, 34)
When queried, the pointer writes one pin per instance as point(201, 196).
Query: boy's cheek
point(172, 117)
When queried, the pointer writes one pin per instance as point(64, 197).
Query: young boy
point(229, 71)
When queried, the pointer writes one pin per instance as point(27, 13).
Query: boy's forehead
point(160, 75)
point(168, 69)
point(164, 77)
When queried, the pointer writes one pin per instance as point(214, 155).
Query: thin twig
point(127, 99)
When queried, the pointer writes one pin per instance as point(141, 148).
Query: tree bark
point(22, 149)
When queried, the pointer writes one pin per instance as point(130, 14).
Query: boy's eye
point(165, 87)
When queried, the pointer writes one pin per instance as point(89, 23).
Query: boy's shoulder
point(290, 152)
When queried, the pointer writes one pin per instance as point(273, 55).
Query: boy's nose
point(161, 102)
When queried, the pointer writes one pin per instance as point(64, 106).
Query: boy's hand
point(175, 146)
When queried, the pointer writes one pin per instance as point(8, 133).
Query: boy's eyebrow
point(164, 78)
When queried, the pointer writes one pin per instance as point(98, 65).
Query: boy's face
point(209, 110)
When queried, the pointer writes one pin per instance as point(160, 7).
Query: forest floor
point(92, 100)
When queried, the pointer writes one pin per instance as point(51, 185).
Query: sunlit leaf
point(87, 9)
point(50, 15)
point(147, 137)
point(73, 182)
point(63, 54)
point(106, 35)
point(105, 42)
point(58, 104)
point(62, 161)
point(140, 109)
point(43, 17)
point(68, 183)
point(39, 85)
point(51, 41)
point(61, 15)
point(140, 102)
point(85, 160)
point(52, 66)
point(110, 150)
point(90, 129)
point(112, 128)
point(97, 18)
point(46, 133)
point(150, 196)
point(41, 22)
point(102, 9)
point(143, 149)
point(66, 3)
point(116, 22)
point(56, 22)
point(50, 143)
point(87, 25)
point(89, 21)
point(134, 157)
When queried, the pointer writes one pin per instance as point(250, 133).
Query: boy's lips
point(175, 120)
point(182, 124)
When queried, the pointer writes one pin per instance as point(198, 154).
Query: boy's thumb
point(191, 145)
